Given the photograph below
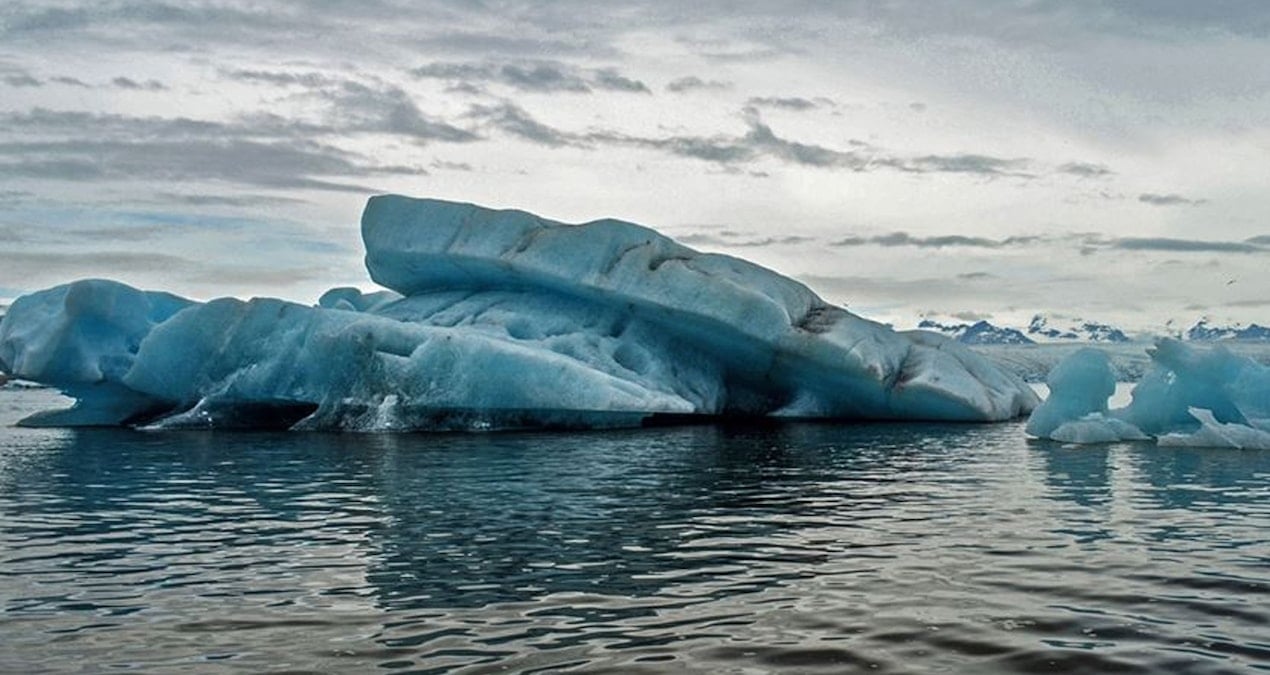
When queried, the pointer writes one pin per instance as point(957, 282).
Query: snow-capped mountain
point(1205, 331)
point(977, 333)
point(1064, 329)
point(1042, 328)
point(1060, 329)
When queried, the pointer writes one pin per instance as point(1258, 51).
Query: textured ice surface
point(1235, 389)
point(1079, 386)
point(83, 338)
point(1214, 434)
point(1096, 428)
point(498, 319)
point(88, 331)
point(1192, 396)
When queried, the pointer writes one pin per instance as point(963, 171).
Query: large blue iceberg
point(495, 319)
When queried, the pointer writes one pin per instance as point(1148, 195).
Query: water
point(799, 548)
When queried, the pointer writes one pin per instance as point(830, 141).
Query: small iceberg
point(494, 319)
point(1191, 397)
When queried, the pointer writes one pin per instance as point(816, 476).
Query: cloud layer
point(1048, 146)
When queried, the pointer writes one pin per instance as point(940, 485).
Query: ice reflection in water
point(808, 548)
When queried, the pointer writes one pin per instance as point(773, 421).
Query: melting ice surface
point(494, 319)
point(1192, 396)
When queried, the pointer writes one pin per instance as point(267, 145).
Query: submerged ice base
point(1191, 397)
point(495, 319)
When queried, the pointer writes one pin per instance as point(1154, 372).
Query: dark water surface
point(796, 548)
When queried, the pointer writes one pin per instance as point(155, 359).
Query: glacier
point(494, 319)
point(1191, 397)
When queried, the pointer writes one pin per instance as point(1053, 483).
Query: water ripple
point(800, 548)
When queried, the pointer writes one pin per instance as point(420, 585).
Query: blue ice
point(496, 319)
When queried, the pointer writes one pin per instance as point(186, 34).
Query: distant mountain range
point(1205, 331)
point(977, 333)
point(1048, 329)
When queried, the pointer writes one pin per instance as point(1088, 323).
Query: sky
point(975, 159)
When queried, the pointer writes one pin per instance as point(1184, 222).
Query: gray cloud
point(355, 109)
point(729, 239)
point(787, 102)
point(21, 80)
point(42, 267)
point(15, 234)
point(356, 106)
point(44, 264)
point(540, 76)
point(514, 120)
point(262, 150)
point(1261, 240)
point(274, 165)
point(763, 139)
point(70, 227)
point(693, 83)
point(1143, 17)
point(758, 143)
point(223, 20)
point(581, 28)
point(1010, 22)
point(43, 121)
point(304, 27)
point(70, 81)
point(1089, 244)
point(131, 233)
point(280, 78)
point(1169, 200)
point(610, 79)
point(243, 201)
point(466, 88)
point(1086, 243)
point(968, 163)
point(962, 315)
point(1085, 169)
point(129, 83)
point(744, 55)
point(453, 42)
point(389, 110)
point(1185, 245)
point(254, 276)
point(450, 166)
point(940, 241)
point(717, 149)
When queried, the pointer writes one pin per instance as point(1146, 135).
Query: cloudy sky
point(981, 158)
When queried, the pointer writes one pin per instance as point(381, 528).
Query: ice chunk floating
point(495, 319)
point(1192, 396)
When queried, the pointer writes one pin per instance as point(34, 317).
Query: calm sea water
point(796, 548)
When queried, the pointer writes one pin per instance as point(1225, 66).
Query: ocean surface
point(902, 548)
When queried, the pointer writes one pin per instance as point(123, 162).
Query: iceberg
point(1096, 428)
point(495, 319)
point(1214, 434)
point(1191, 396)
point(1079, 387)
point(83, 338)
